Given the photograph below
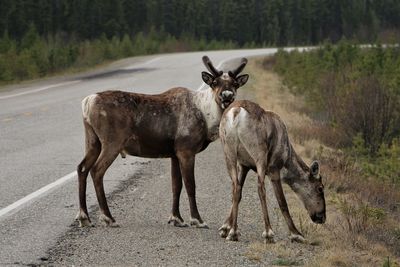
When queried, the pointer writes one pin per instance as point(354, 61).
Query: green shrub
point(357, 90)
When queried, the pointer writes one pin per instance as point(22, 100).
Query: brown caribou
point(255, 139)
point(176, 124)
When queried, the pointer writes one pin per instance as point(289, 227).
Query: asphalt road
point(41, 140)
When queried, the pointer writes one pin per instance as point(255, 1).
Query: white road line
point(40, 89)
point(61, 180)
point(36, 194)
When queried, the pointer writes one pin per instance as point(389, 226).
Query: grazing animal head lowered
point(225, 85)
point(255, 139)
point(309, 188)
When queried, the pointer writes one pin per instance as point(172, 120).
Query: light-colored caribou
point(256, 139)
point(176, 124)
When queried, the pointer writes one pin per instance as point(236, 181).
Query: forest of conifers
point(42, 37)
point(272, 22)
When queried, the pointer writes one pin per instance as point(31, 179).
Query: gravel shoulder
point(141, 207)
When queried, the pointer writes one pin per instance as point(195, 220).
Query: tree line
point(268, 22)
point(35, 56)
point(42, 37)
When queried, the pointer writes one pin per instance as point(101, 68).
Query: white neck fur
point(205, 102)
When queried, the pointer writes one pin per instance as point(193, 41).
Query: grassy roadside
point(359, 231)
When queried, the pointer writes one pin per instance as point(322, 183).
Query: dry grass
point(255, 251)
point(361, 214)
point(282, 256)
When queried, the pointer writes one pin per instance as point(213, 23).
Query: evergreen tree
point(274, 22)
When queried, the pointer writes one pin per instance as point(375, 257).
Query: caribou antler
point(239, 69)
point(210, 67)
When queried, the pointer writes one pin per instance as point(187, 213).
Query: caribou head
point(307, 184)
point(224, 85)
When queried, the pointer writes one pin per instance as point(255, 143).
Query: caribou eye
point(320, 189)
point(236, 84)
point(214, 83)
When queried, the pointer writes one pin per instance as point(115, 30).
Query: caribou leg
point(233, 234)
point(268, 234)
point(93, 148)
point(186, 163)
point(83, 170)
point(277, 185)
point(108, 154)
point(242, 173)
point(176, 218)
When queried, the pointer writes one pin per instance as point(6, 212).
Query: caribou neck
point(296, 167)
point(212, 112)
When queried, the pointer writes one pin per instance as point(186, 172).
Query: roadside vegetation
point(353, 93)
point(331, 99)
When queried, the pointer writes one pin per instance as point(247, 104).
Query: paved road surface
point(41, 141)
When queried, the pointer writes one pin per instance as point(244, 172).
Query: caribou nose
point(319, 217)
point(227, 95)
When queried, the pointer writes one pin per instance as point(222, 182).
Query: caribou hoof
point(233, 236)
point(269, 237)
point(198, 224)
point(223, 230)
point(83, 219)
point(109, 222)
point(175, 221)
point(297, 238)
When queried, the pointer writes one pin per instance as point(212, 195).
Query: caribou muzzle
point(227, 97)
point(319, 217)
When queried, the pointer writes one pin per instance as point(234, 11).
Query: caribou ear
point(242, 79)
point(314, 169)
point(207, 77)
